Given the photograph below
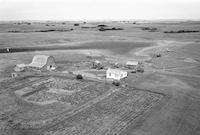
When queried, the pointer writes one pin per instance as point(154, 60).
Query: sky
point(99, 9)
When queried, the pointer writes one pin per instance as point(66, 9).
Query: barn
point(116, 74)
point(43, 62)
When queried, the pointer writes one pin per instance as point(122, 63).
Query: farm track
point(180, 122)
point(13, 83)
point(179, 74)
point(19, 84)
point(32, 92)
point(16, 87)
point(29, 83)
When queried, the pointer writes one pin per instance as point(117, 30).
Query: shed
point(116, 74)
point(132, 64)
point(43, 62)
point(20, 67)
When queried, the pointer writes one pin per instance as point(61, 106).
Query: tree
point(116, 83)
point(79, 77)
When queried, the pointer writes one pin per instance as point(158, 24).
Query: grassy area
point(69, 106)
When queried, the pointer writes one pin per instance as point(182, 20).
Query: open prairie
point(163, 100)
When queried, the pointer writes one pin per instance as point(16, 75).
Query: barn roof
point(39, 61)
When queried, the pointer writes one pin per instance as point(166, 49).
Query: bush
point(133, 71)
point(102, 29)
point(79, 77)
point(116, 83)
point(76, 24)
point(181, 31)
point(102, 25)
point(158, 55)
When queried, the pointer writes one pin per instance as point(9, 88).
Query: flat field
point(164, 100)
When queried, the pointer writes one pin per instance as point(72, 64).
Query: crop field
point(110, 116)
point(88, 107)
point(163, 100)
point(68, 91)
point(60, 94)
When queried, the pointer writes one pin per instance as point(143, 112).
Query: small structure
point(115, 65)
point(20, 67)
point(43, 62)
point(132, 64)
point(96, 65)
point(116, 74)
point(14, 75)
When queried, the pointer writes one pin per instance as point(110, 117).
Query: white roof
point(21, 65)
point(115, 71)
point(133, 63)
point(39, 61)
point(96, 61)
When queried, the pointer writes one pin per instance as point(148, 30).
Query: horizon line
point(99, 20)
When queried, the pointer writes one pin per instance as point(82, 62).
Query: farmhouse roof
point(115, 71)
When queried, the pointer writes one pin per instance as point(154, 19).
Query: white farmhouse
point(116, 74)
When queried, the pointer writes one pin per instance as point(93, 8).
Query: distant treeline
point(21, 23)
point(101, 25)
point(182, 31)
point(49, 30)
point(105, 29)
point(150, 29)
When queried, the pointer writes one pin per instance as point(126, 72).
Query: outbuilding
point(116, 74)
point(132, 64)
point(43, 62)
point(20, 67)
point(97, 65)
